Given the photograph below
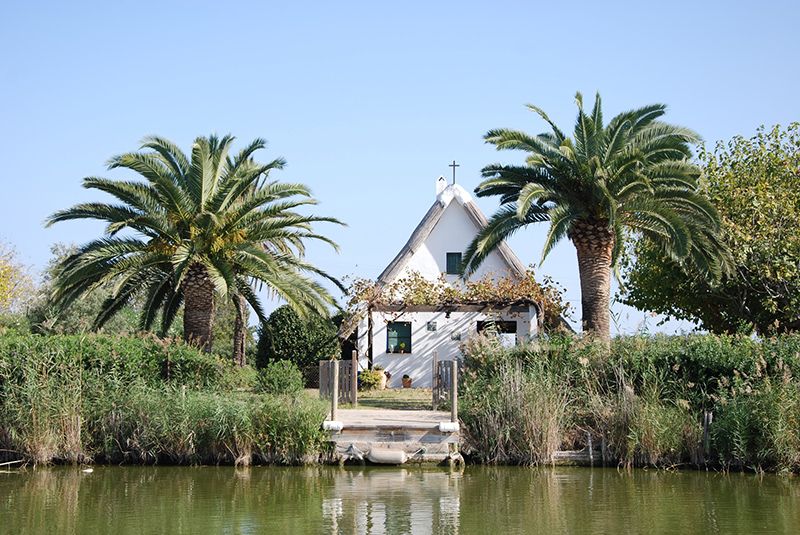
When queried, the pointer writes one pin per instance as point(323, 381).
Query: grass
point(396, 398)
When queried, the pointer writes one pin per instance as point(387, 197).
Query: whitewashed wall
point(417, 364)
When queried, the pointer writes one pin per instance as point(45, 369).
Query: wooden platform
point(415, 432)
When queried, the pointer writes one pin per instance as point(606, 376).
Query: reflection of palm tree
point(631, 175)
point(200, 227)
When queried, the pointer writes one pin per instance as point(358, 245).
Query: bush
point(286, 336)
point(281, 377)
point(370, 379)
point(145, 357)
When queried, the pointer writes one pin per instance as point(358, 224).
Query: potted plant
point(406, 381)
point(401, 347)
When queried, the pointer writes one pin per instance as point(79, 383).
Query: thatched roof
point(453, 192)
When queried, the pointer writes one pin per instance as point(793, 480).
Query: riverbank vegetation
point(645, 402)
point(94, 398)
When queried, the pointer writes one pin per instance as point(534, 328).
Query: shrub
point(280, 377)
point(286, 336)
point(370, 379)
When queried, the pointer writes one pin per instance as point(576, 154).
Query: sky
point(367, 101)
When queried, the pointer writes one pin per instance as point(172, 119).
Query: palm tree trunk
point(594, 243)
point(198, 307)
point(239, 338)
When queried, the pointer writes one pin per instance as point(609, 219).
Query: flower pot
point(406, 382)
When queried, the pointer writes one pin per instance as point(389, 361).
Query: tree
point(304, 341)
point(198, 227)
point(755, 185)
point(629, 177)
point(79, 316)
point(15, 283)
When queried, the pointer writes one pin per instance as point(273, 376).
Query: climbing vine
point(416, 290)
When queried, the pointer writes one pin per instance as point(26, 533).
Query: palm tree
point(199, 227)
point(632, 176)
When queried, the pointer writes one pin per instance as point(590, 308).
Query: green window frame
point(453, 266)
point(397, 333)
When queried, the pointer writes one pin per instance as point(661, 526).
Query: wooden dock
point(422, 435)
point(390, 436)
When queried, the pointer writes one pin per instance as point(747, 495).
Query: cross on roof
point(454, 165)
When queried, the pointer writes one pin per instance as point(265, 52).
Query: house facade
point(403, 338)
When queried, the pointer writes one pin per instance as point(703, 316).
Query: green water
point(393, 500)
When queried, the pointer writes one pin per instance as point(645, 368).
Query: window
point(497, 326)
point(505, 331)
point(398, 337)
point(453, 263)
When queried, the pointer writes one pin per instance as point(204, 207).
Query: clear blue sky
point(368, 103)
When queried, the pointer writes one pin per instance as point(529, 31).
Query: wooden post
point(708, 417)
point(324, 380)
point(334, 389)
point(435, 380)
point(454, 390)
point(354, 379)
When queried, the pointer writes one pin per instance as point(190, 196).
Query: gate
point(442, 385)
point(348, 380)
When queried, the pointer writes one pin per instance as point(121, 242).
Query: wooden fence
point(339, 377)
point(445, 384)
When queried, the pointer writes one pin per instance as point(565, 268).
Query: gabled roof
point(452, 192)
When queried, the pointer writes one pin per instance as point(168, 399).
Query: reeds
point(70, 403)
point(644, 400)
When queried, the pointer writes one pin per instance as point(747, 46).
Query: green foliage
point(200, 224)
point(225, 326)
point(112, 399)
point(147, 358)
point(370, 379)
point(287, 336)
point(513, 413)
point(200, 427)
point(754, 185)
point(14, 323)
point(645, 399)
point(79, 316)
point(281, 377)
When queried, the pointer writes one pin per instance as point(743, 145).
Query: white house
point(402, 339)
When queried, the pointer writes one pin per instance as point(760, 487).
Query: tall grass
point(644, 400)
point(514, 413)
point(66, 399)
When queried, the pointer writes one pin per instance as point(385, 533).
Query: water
point(503, 500)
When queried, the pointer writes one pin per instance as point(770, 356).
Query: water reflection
point(393, 500)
